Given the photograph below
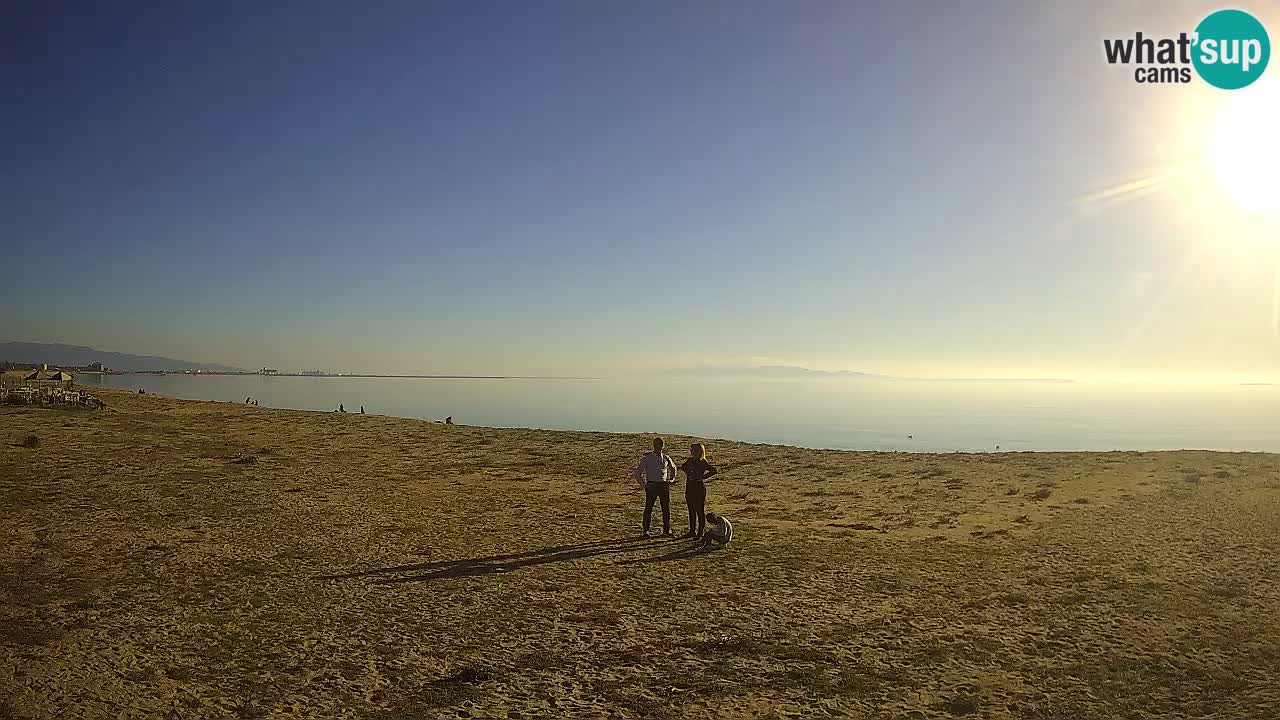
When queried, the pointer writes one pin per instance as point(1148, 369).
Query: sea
point(855, 414)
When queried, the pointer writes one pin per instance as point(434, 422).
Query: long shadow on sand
point(680, 553)
point(496, 564)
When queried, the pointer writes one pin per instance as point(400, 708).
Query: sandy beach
point(175, 559)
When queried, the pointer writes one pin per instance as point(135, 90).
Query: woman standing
point(697, 473)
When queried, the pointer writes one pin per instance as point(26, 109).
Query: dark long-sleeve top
point(697, 471)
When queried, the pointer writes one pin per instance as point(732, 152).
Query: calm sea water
point(851, 414)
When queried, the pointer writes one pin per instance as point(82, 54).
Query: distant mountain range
point(59, 355)
point(795, 371)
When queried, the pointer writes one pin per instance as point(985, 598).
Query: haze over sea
point(867, 414)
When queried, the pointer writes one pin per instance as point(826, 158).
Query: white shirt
point(656, 468)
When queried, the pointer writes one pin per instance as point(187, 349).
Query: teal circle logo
point(1232, 49)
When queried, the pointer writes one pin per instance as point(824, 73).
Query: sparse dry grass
point(166, 558)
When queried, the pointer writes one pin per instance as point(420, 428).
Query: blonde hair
point(702, 450)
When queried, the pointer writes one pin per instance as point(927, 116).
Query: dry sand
point(166, 558)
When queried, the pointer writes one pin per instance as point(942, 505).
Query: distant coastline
point(314, 376)
point(84, 360)
point(797, 371)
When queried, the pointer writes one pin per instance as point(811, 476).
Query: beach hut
point(53, 376)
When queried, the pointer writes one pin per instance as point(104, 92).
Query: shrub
point(31, 441)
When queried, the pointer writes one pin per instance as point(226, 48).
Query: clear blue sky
point(598, 188)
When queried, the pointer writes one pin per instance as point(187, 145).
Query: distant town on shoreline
point(81, 359)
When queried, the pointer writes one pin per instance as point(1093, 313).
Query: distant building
point(268, 371)
point(313, 373)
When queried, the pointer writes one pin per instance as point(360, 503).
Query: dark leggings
point(695, 497)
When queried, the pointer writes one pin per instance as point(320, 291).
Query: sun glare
point(1244, 148)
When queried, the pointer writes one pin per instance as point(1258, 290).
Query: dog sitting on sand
point(719, 531)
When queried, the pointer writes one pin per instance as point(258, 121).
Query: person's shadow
point(682, 553)
point(495, 564)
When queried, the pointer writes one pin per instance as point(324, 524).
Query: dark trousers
point(695, 498)
point(657, 491)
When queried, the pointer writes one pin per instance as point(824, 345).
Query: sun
point(1244, 148)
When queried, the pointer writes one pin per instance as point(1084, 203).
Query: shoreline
point(711, 438)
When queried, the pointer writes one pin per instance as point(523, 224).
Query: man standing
point(656, 472)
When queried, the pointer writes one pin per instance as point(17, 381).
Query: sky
point(913, 188)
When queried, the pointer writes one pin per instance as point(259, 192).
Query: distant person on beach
point(361, 409)
point(448, 420)
point(719, 531)
point(655, 473)
point(246, 401)
point(341, 408)
point(697, 473)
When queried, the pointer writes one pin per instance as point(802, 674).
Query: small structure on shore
point(57, 376)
